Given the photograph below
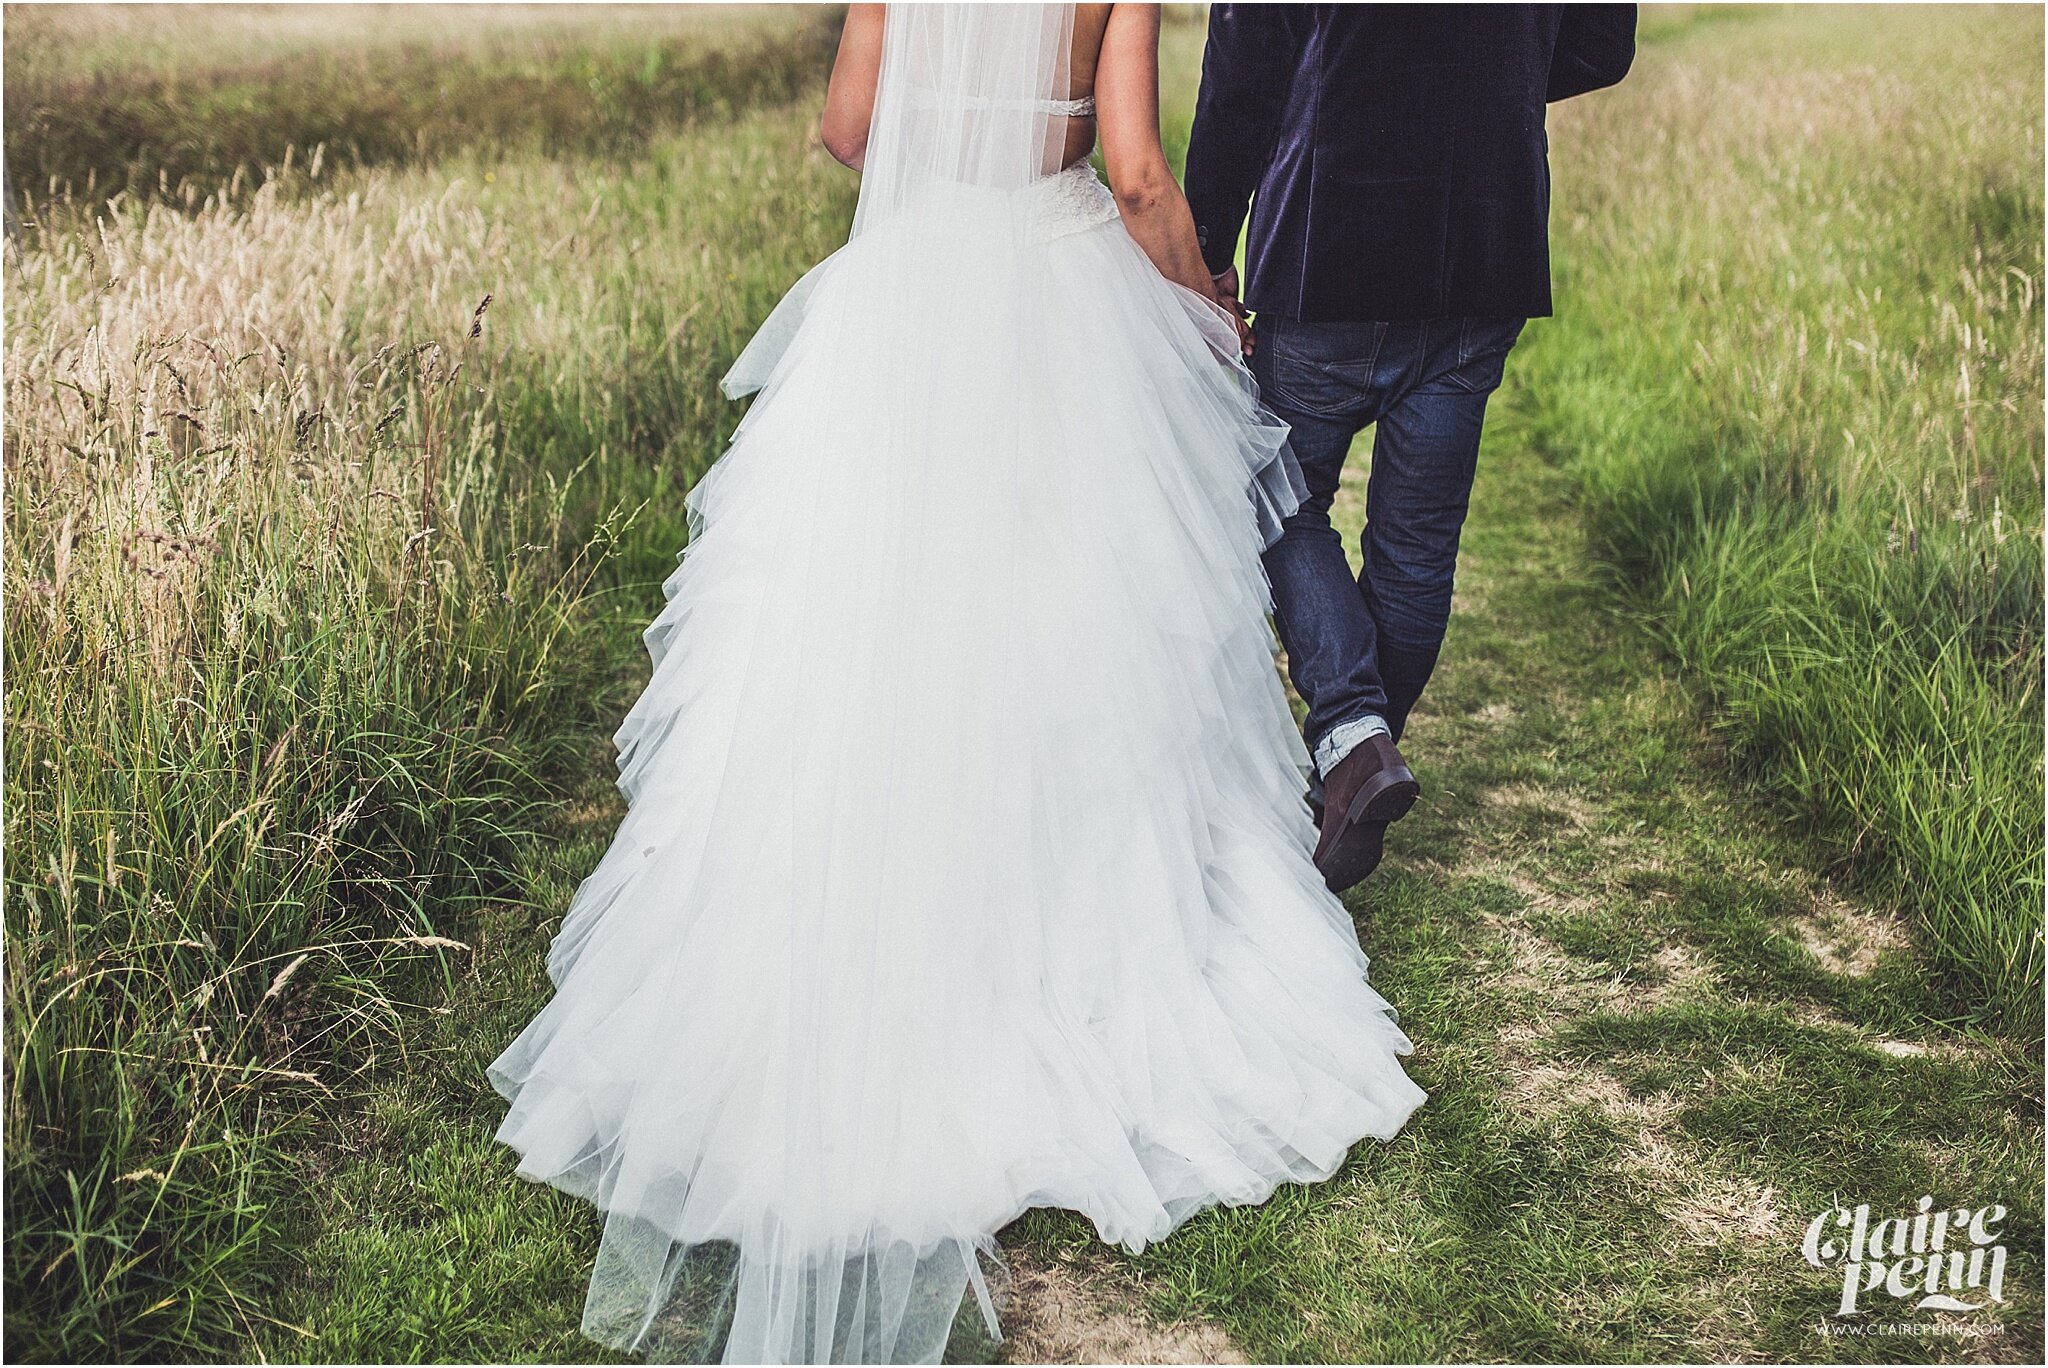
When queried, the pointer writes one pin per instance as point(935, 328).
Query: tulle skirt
point(965, 868)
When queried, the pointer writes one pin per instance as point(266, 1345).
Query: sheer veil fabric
point(965, 863)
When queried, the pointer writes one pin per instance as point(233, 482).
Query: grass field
point(313, 562)
point(186, 103)
point(324, 580)
point(1805, 416)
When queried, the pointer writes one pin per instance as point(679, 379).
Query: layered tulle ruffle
point(965, 868)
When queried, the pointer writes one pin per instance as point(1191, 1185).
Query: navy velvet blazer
point(1397, 152)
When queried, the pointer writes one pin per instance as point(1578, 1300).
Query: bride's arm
point(850, 98)
point(1127, 118)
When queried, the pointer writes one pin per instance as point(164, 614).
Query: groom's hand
point(1226, 295)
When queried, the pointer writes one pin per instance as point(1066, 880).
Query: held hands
point(1226, 295)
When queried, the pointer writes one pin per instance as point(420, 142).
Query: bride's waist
point(1071, 200)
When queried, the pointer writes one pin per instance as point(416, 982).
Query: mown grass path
point(1657, 1043)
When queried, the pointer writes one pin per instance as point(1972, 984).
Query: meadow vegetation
point(320, 501)
point(142, 99)
point(1797, 374)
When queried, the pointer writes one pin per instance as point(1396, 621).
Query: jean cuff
point(1342, 739)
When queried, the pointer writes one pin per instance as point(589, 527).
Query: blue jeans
point(1364, 646)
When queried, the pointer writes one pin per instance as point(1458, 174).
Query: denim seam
point(1293, 398)
point(1372, 362)
point(1355, 396)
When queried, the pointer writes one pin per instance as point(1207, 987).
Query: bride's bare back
point(1115, 58)
point(1091, 25)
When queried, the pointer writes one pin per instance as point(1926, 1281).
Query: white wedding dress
point(966, 867)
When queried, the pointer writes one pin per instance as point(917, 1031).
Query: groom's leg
point(1317, 377)
point(1424, 454)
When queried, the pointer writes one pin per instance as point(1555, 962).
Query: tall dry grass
point(315, 565)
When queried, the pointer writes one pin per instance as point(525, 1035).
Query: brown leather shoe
point(1369, 788)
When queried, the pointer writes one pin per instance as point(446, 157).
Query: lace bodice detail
point(1071, 201)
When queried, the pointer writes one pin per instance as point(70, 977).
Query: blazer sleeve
point(1596, 44)
point(1247, 67)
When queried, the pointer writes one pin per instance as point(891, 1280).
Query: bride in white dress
point(967, 867)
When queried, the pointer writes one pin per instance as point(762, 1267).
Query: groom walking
point(1394, 162)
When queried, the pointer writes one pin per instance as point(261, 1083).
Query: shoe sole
point(1386, 798)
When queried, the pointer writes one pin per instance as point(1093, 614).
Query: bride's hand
point(1226, 295)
